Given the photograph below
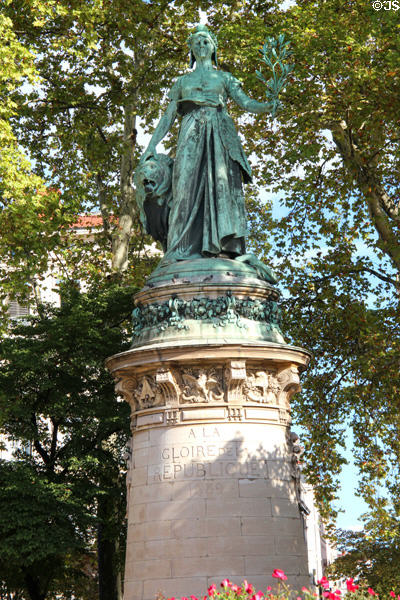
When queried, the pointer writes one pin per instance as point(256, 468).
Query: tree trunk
point(108, 575)
point(108, 549)
point(123, 233)
point(33, 586)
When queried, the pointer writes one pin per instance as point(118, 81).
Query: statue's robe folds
point(208, 212)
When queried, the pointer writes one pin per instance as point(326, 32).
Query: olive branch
point(274, 52)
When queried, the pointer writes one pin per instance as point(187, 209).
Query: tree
point(68, 494)
point(23, 194)
point(372, 560)
point(100, 65)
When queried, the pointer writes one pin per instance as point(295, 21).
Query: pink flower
point(305, 590)
point(371, 591)
point(269, 588)
point(278, 574)
point(392, 594)
point(225, 583)
point(299, 598)
point(248, 588)
point(212, 589)
point(234, 587)
point(323, 582)
point(332, 595)
point(194, 597)
point(351, 587)
point(258, 596)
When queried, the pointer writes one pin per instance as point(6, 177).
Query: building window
point(16, 310)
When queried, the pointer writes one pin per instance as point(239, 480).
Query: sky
point(353, 506)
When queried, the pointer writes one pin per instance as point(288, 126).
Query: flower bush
point(246, 591)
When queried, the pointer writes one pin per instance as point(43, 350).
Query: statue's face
point(150, 173)
point(202, 45)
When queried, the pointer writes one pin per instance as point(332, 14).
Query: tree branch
point(54, 439)
point(36, 443)
point(379, 204)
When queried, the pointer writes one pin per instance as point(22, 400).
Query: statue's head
point(153, 175)
point(200, 33)
point(153, 180)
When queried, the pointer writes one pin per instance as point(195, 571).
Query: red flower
point(351, 587)
point(269, 588)
point(212, 589)
point(258, 596)
point(225, 583)
point(371, 591)
point(194, 597)
point(323, 582)
point(248, 588)
point(234, 587)
point(392, 594)
point(278, 574)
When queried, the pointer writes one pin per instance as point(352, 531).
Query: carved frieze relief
point(201, 385)
point(148, 393)
point(233, 384)
point(261, 387)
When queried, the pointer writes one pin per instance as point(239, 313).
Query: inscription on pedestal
point(204, 455)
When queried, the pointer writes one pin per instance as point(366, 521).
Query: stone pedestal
point(212, 483)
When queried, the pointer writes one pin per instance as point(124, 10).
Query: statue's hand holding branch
point(274, 53)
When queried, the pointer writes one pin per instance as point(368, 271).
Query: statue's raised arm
point(204, 209)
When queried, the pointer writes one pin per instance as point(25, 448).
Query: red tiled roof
point(87, 221)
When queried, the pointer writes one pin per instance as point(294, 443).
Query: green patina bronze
point(219, 312)
point(195, 205)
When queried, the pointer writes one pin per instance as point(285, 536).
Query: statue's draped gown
point(207, 215)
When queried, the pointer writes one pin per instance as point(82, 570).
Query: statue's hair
point(211, 35)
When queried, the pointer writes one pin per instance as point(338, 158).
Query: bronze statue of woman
point(207, 215)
